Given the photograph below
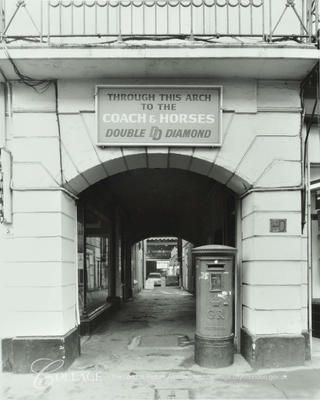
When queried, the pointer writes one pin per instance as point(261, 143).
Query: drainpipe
point(309, 249)
point(238, 275)
point(310, 288)
point(5, 155)
point(5, 105)
point(2, 116)
point(306, 196)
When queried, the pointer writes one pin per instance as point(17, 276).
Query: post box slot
point(216, 266)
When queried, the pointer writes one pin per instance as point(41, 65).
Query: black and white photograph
point(159, 199)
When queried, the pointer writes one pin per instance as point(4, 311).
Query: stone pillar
point(39, 246)
point(274, 280)
point(39, 274)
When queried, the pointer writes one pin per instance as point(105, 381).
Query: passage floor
point(143, 352)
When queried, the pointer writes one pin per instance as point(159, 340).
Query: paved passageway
point(142, 352)
point(147, 331)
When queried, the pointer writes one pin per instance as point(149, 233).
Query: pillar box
point(214, 336)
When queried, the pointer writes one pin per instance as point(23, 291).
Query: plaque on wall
point(278, 225)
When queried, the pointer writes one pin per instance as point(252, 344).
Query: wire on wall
point(39, 85)
point(56, 90)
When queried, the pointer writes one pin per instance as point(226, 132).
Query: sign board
point(159, 115)
point(162, 264)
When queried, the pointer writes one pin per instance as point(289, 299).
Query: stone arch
point(201, 162)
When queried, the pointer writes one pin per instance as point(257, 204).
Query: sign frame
point(278, 225)
point(150, 86)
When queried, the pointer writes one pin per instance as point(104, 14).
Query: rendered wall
point(274, 279)
point(38, 266)
point(261, 137)
point(261, 150)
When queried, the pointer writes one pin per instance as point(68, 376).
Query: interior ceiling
point(158, 201)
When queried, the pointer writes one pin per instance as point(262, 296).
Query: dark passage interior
point(116, 216)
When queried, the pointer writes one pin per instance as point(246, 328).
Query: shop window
point(96, 250)
point(97, 264)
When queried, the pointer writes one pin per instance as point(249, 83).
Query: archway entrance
point(118, 214)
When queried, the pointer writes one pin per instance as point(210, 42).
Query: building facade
point(75, 202)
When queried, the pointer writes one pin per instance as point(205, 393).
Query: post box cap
point(214, 249)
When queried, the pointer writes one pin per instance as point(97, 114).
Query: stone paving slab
point(99, 384)
point(108, 370)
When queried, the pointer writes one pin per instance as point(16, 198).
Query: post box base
point(214, 352)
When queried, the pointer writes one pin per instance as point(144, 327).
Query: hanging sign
point(159, 115)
